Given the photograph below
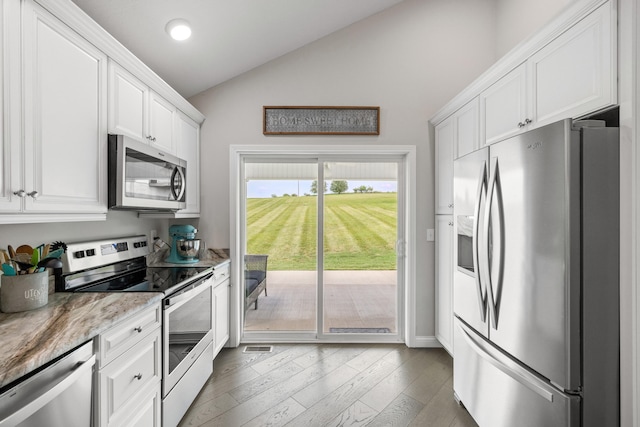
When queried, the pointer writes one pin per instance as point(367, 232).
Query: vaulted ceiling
point(229, 37)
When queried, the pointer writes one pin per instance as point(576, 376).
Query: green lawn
point(359, 231)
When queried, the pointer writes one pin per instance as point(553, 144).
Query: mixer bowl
point(188, 248)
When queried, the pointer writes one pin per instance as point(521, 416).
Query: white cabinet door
point(221, 316)
point(188, 133)
point(161, 123)
point(10, 98)
point(444, 277)
point(503, 107)
point(575, 74)
point(123, 382)
point(466, 128)
point(128, 99)
point(65, 120)
point(444, 143)
point(146, 410)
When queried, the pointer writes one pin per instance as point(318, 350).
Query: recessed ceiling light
point(178, 29)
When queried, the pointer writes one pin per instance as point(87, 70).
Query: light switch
point(431, 235)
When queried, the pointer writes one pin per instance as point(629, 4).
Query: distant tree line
point(340, 186)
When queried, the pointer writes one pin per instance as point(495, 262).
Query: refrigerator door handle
point(494, 191)
point(503, 364)
point(481, 197)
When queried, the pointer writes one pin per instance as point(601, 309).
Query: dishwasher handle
point(49, 395)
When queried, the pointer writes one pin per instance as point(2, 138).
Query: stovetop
point(150, 279)
point(119, 265)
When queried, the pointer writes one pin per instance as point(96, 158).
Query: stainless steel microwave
point(144, 178)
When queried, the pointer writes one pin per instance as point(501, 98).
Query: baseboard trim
point(427, 342)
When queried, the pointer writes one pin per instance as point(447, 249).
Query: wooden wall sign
point(321, 121)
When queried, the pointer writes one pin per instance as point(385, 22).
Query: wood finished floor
point(329, 385)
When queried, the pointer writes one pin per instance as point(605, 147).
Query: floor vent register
point(258, 349)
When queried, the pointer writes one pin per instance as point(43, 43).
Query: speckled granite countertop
point(33, 338)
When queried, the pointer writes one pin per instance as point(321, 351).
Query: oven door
point(187, 329)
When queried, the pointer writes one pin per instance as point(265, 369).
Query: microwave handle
point(177, 193)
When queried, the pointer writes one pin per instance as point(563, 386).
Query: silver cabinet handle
point(138, 377)
point(20, 193)
point(138, 329)
point(34, 194)
point(450, 205)
point(451, 223)
point(521, 125)
point(527, 121)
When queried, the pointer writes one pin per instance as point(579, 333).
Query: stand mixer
point(184, 245)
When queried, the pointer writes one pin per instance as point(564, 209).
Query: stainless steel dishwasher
point(58, 395)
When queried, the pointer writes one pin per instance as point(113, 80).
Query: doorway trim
point(236, 154)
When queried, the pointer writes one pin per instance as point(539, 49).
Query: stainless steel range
point(119, 265)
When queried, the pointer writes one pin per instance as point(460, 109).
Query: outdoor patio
point(353, 299)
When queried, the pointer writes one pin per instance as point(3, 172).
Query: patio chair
point(255, 279)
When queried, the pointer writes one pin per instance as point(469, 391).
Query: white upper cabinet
point(503, 107)
point(444, 136)
point(188, 133)
point(161, 123)
point(575, 74)
point(65, 120)
point(567, 70)
point(127, 104)
point(466, 128)
point(137, 111)
point(10, 97)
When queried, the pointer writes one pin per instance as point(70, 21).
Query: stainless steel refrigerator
point(536, 278)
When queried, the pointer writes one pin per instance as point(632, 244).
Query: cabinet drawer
point(127, 333)
point(221, 273)
point(129, 375)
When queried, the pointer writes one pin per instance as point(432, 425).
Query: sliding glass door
point(330, 230)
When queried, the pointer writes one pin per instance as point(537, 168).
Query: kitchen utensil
point(55, 254)
point(50, 263)
point(12, 252)
point(45, 250)
point(22, 265)
point(58, 245)
point(35, 257)
point(24, 249)
point(8, 270)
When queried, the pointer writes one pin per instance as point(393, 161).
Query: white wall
point(409, 60)
point(516, 20)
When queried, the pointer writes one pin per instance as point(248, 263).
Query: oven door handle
point(186, 292)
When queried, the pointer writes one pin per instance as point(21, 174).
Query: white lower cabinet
point(444, 281)
point(129, 372)
point(221, 283)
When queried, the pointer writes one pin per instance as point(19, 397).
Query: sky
point(257, 189)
